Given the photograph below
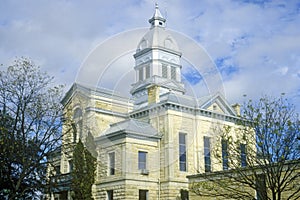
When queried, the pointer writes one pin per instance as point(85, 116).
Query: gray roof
point(133, 127)
point(192, 102)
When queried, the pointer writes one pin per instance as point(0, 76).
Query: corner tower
point(157, 60)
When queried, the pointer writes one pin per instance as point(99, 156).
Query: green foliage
point(270, 131)
point(30, 114)
point(90, 144)
point(83, 174)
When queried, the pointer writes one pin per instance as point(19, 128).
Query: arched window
point(77, 113)
point(77, 118)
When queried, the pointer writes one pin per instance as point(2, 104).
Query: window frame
point(141, 74)
point(182, 152)
point(225, 154)
point(173, 73)
point(142, 164)
point(164, 71)
point(109, 194)
point(111, 163)
point(147, 72)
point(243, 149)
point(207, 153)
point(143, 193)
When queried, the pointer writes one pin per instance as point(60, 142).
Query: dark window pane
point(182, 152)
point(225, 154)
point(207, 161)
point(110, 194)
point(142, 164)
point(184, 195)
point(143, 194)
point(261, 190)
point(243, 155)
point(112, 163)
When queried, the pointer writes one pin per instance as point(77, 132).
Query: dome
point(157, 37)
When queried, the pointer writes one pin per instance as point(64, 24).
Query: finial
point(157, 19)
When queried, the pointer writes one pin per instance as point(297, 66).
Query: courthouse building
point(148, 144)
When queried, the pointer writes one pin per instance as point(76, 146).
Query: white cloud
point(260, 40)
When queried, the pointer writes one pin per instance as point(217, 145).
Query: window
point(57, 169)
point(147, 71)
point(111, 157)
point(173, 73)
point(110, 194)
point(207, 161)
point(184, 195)
point(143, 194)
point(70, 165)
point(141, 74)
point(164, 71)
point(77, 114)
point(142, 160)
point(243, 155)
point(225, 154)
point(77, 125)
point(261, 191)
point(182, 152)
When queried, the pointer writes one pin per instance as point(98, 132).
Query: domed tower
point(157, 61)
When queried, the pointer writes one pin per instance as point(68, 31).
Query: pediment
point(218, 104)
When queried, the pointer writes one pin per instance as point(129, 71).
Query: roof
point(158, 37)
point(91, 90)
point(132, 127)
point(202, 103)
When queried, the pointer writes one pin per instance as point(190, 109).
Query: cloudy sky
point(254, 44)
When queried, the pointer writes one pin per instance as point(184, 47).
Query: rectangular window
point(184, 195)
point(225, 154)
point(182, 152)
point(164, 71)
point(142, 160)
point(148, 72)
point(261, 190)
point(57, 169)
point(70, 165)
point(207, 161)
point(111, 157)
point(143, 194)
point(141, 74)
point(243, 155)
point(110, 194)
point(173, 73)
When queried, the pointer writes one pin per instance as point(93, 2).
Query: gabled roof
point(201, 103)
point(219, 100)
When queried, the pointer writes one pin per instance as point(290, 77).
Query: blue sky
point(254, 44)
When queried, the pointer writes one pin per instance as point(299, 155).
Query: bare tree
point(261, 160)
point(30, 129)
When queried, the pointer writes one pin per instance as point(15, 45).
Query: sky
point(254, 46)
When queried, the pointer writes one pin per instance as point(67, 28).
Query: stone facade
point(146, 145)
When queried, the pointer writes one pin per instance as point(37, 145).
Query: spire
point(157, 19)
